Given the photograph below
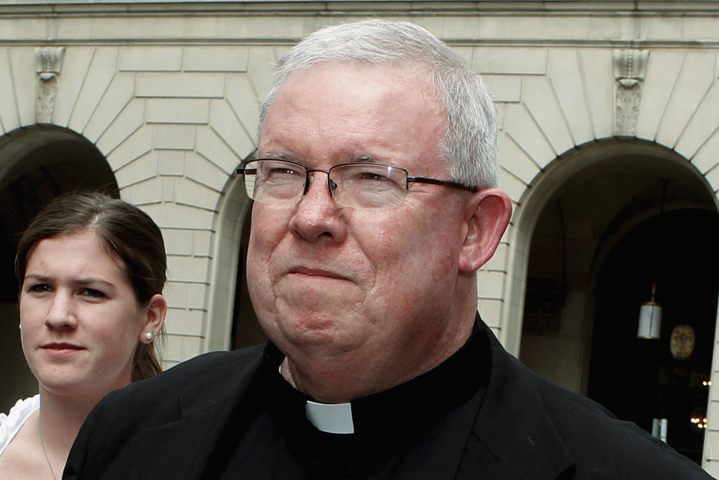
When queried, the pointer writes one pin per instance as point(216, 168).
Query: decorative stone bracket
point(48, 63)
point(630, 67)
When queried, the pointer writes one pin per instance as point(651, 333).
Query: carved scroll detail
point(48, 63)
point(630, 67)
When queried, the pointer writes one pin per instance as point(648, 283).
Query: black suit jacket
point(170, 427)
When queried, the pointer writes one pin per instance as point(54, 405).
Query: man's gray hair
point(469, 146)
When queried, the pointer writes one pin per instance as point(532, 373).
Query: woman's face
point(79, 316)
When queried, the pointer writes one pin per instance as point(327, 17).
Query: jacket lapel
point(512, 437)
point(183, 449)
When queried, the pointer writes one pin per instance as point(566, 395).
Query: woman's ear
point(155, 311)
point(487, 218)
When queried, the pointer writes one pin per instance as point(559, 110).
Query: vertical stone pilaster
point(630, 67)
point(48, 62)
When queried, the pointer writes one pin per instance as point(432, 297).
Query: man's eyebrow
point(281, 156)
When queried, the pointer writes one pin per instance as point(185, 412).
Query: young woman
point(92, 269)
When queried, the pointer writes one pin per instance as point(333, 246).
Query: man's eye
point(283, 171)
point(373, 176)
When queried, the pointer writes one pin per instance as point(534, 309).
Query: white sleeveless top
point(11, 423)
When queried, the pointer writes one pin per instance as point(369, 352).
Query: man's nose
point(317, 215)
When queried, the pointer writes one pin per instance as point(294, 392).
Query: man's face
point(375, 286)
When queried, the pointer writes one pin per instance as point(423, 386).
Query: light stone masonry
point(596, 74)
point(226, 124)
point(101, 72)
point(511, 184)
point(566, 77)
point(143, 193)
point(24, 78)
point(662, 73)
point(698, 73)
point(202, 171)
point(150, 59)
point(215, 150)
point(178, 110)
point(515, 160)
point(9, 117)
point(524, 130)
point(171, 163)
point(194, 194)
point(184, 322)
point(540, 98)
point(706, 158)
point(75, 65)
point(215, 59)
point(172, 101)
point(188, 85)
point(703, 124)
point(504, 88)
point(175, 137)
point(244, 102)
point(144, 168)
point(127, 122)
point(118, 95)
point(178, 242)
point(139, 143)
point(491, 284)
point(503, 60)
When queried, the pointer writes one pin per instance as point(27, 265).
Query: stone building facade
point(609, 116)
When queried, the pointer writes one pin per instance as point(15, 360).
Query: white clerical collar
point(330, 417)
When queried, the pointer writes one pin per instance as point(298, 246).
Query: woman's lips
point(61, 348)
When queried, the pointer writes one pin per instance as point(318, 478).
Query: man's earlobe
point(488, 218)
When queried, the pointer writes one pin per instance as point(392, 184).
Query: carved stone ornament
point(630, 67)
point(48, 63)
point(681, 343)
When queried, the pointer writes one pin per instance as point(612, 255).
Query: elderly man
point(375, 205)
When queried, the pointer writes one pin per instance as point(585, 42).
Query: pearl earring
point(150, 335)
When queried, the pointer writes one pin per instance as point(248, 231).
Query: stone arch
point(228, 275)
point(595, 194)
point(586, 160)
point(37, 164)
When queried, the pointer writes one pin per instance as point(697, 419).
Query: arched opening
point(592, 200)
point(641, 379)
point(246, 330)
point(233, 323)
point(36, 164)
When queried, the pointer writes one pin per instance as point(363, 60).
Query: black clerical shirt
point(414, 431)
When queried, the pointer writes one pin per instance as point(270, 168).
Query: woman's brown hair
point(127, 232)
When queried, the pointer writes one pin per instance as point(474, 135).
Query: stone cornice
point(107, 7)
point(616, 24)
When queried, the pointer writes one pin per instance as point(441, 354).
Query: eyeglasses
point(357, 185)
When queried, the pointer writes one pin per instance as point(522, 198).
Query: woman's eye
point(91, 292)
point(40, 287)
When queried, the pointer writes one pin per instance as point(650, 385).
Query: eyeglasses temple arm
point(446, 183)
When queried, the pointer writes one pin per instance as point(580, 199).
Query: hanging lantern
point(650, 318)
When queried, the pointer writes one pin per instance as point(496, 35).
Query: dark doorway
point(639, 379)
point(246, 330)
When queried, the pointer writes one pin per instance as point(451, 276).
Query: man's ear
point(487, 218)
point(156, 310)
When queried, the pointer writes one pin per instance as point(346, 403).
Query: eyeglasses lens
point(357, 185)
